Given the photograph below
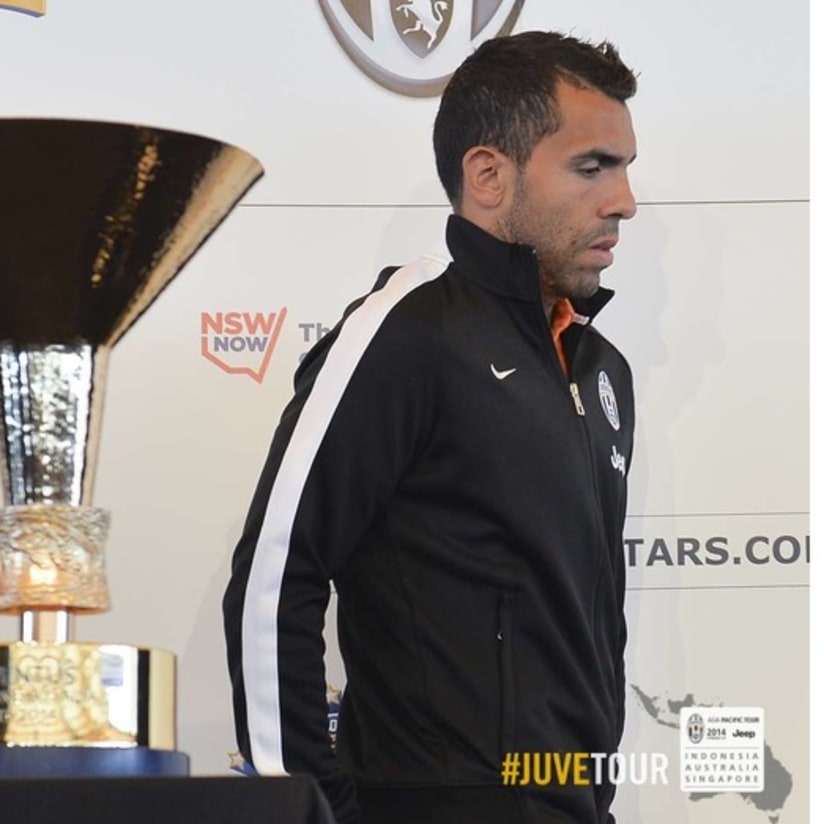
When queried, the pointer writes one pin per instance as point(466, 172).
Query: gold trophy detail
point(95, 220)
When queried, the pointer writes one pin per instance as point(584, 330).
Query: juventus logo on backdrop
point(413, 47)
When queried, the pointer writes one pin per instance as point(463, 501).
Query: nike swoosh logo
point(500, 375)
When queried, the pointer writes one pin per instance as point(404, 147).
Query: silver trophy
point(95, 220)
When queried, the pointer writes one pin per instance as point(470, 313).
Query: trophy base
point(87, 762)
point(71, 695)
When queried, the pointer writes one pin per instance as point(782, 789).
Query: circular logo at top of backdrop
point(609, 402)
point(413, 47)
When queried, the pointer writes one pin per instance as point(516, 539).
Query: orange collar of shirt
point(562, 317)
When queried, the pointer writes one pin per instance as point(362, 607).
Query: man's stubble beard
point(558, 277)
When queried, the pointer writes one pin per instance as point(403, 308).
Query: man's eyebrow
point(603, 157)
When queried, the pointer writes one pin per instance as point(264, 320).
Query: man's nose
point(622, 203)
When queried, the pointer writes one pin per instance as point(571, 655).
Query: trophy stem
point(53, 626)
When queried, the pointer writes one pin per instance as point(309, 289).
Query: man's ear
point(487, 176)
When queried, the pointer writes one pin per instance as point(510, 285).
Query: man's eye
point(589, 171)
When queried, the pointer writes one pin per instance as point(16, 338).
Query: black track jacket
point(467, 498)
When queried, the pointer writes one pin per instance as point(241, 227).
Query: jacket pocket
point(506, 671)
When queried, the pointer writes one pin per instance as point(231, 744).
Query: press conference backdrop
point(711, 311)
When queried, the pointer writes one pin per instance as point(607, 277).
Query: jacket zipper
point(598, 515)
point(576, 397)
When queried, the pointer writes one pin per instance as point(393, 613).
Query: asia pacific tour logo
point(37, 8)
point(413, 47)
point(241, 343)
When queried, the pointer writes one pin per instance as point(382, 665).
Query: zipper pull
point(576, 396)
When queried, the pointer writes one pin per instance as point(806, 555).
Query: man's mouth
point(601, 250)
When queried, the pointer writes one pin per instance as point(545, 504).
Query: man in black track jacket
point(454, 459)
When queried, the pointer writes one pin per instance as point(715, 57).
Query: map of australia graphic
point(778, 782)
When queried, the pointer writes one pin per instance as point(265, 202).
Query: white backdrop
point(711, 311)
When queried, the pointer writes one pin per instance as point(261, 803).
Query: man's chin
point(580, 285)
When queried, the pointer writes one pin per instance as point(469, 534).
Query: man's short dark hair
point(503, 95)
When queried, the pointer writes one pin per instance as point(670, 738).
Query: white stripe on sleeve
point(259, 628)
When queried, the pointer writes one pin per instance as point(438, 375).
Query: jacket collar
point(508, 269)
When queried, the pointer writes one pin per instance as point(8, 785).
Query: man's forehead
point(593, 122)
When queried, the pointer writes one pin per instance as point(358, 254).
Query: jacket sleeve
point(360, 409)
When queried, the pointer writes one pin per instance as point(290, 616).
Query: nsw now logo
point(241, 343)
